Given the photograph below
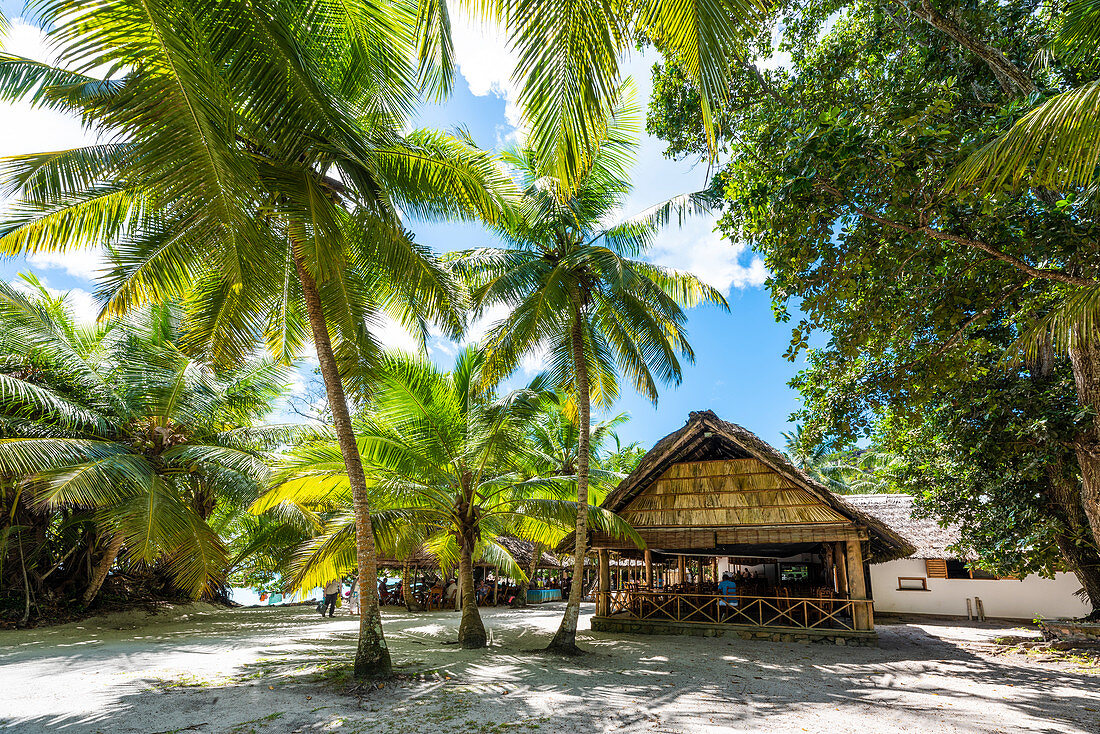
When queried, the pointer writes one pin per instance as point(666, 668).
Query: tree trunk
point(1074, 539)
point(471, 630)
point(99, 575)
point(565, 640)
point(1085, 358)
point(532, 569)
point(372, 657)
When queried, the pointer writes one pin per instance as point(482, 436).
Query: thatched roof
point(520, 550)
point(705, 436)
point(930, 539)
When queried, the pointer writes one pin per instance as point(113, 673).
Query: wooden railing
point(760, 611)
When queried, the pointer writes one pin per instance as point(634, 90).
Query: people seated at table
point(728, 591)
point(482, 592)
point(451, 592)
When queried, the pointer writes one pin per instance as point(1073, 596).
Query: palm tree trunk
point(372, 657)
point(99, 575)
point(471, 630)
point(565, 640)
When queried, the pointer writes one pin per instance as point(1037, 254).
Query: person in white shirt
point(332, 590)
point(451, 593)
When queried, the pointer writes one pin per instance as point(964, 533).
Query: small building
point(936, 580)
point(714, 499)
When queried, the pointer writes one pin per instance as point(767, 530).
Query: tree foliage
point(114, 440)
point(839, 173)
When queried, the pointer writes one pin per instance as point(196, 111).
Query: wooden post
point(496, 585)
point(839, 553)
point(699, 577)
point(857, 586)
point(648, 569)
point(603, 597)
point(681, 570)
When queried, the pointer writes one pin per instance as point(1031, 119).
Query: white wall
point(1009, 598)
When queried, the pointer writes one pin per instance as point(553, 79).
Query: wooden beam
point(707, 538)
point(839, 554)
point(648, 569)
point(603, 597)
point(857, 585)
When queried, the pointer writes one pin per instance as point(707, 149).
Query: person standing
point(332, 590)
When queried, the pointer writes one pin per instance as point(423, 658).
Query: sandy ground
point(284, 670)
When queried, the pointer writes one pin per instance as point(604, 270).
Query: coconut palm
point(553, 438)
point(569, 54)
point(113, 422)
point(578, 293)
point(1057, 144)
point(254, 162)
point(447, 457)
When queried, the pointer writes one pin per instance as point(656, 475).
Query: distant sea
point(250, 597)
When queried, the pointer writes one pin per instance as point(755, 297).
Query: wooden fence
point(761, 611)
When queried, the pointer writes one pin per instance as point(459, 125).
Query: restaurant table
point(538, 596)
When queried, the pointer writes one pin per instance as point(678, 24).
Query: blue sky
point(739, 370)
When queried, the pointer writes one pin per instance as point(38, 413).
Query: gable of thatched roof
point(706, 437)
point(926, 535)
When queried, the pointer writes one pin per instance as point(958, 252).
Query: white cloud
point(698, 248)
point(86, 262)
point(30, 129)
point(486, 61)
point(393, 335)
point(84, 306)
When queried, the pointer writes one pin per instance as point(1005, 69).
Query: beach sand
point(208, 669)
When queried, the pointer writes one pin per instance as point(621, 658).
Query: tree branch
point(1012, 80)
point(1057, 276)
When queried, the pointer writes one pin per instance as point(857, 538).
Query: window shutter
point(936, 568)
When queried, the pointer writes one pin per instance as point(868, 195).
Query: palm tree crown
point(114, 420)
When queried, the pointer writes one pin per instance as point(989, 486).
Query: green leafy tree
point(447, 458)
point(577, 290)
point(255, 163)
point(841, 179)
point(995, 458)
point(113, 427)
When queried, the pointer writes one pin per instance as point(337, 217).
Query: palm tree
point(568, 67)
point(850, 471)
point(254, 164)
point(114, 421)
point(578, 293)
point(446, 457)
point(553, 438)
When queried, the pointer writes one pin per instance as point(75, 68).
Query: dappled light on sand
point(284, 669)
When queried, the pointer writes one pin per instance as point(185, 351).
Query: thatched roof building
point(714, 496)
point(928, 538)
point(714, 484)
